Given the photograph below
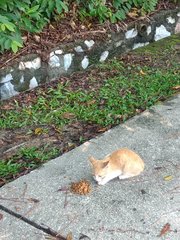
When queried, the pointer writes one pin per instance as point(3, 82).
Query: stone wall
point(31, 71)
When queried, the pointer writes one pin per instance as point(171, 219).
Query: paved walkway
point(136, 208)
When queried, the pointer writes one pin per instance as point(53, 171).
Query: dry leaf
point(168, 178)
point(91, 102)
point(34, 200)
point(165, 229)
point(176, 87)
point(68, 115)
point(133, 13)
point(69, 236)
point(73, 24)
point(142, 73)
point(102, 129)
point(38, 131)
point(7, 107)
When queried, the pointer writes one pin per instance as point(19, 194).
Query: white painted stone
point(78, 49)
point(33, 83)
point(170, 20)
point(21, 66)
point(118, 44)
point(7, 90)
point(35, 64)
point(85, 62)
point(104, 55)
point(54, 61)
point(131, 33)
point(149, 30)
point(178, 14)
point(22, 79)
point(161, 32)
point(89, 44)
point(67, 60)
point(138, 45)
point(7, 78)
point(59, 51)
point(51, 54)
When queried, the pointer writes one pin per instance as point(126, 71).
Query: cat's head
point(100, 168)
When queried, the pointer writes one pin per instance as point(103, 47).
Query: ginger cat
point(122, 163)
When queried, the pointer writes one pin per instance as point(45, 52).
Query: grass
point(26, 159)
point(135, 86)
point(121, 95)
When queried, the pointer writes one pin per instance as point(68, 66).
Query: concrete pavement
point(136, 208)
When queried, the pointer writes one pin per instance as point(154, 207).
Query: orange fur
point(122, 163)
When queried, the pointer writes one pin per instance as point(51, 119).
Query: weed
point(135, 87)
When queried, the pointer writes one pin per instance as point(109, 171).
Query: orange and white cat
point(122, 163)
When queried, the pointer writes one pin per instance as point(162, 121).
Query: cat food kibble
point(82, 187)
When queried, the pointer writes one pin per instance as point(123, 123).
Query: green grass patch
point(26, 159)
point(121, 95)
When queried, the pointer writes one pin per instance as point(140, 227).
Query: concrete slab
point(12, 228)
point(135, 208)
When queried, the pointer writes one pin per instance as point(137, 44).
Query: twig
point(18, 200)
point(65, 200)
point(174, 165)
point(91, 32)
point(11, 199)
point(47, 230)
point(24, 191)
point(175, 188)
point(118, 230)
point(165, 214)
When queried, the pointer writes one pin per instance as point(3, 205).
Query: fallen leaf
point(1, 216)
point(168, 178)
point(165, 229)
point(38, 131)
point(102, 129)
point(133, 13)
point(176, 87)
point(91, 102)
point(34, 200)
point(68, 115)
point(83, 236)
point(142, 73)
point(69, 236)
point(37, 38)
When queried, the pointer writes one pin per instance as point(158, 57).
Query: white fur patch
point(108, 177)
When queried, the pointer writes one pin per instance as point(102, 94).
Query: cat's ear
point(105, 164)
point(92, 160)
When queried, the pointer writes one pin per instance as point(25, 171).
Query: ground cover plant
point(44, 123)
point(20, 18)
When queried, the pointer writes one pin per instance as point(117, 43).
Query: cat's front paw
point(101, 183)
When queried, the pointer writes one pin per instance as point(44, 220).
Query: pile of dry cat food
point(82, 187)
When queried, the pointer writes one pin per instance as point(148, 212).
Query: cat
point(122, 163)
